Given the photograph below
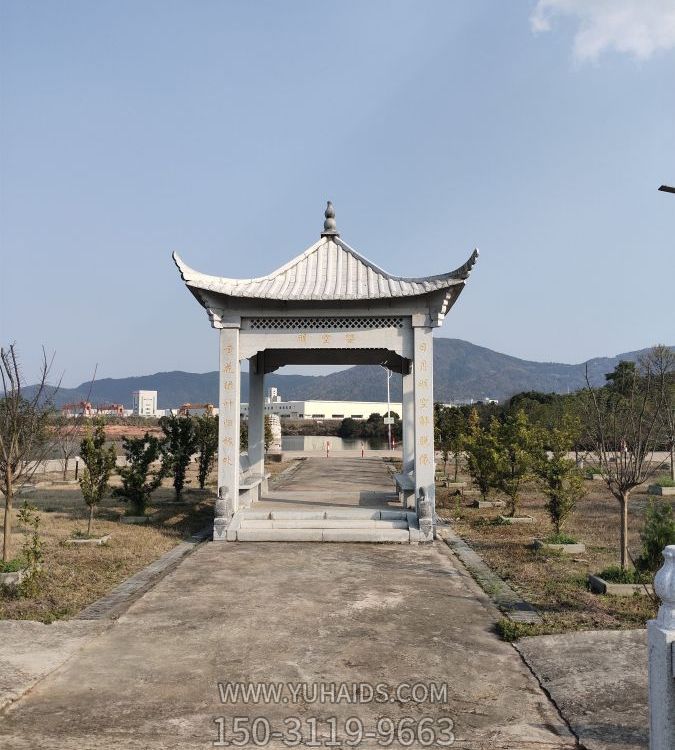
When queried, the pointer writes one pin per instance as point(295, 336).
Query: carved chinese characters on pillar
point(425, 404)
point(228, 401)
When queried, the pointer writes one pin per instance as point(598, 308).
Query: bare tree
point(661, 359)
point(624, 419)
point(68, 431)
point(25, 439)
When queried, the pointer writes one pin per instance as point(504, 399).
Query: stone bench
point(251, 485)
point(405, 486)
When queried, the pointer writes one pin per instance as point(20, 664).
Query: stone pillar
point(661, 638)
point(228, 416)
point(408, 420)
point(424, 412)
point(256, 416)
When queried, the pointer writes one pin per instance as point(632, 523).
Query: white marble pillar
point(661, 641)
point(408, 420)
point(424, 409)
point(228, 416)
point(256, 415)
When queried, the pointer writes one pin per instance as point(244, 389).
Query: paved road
point(306, 614)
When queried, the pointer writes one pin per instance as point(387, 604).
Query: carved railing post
point(223, 511)
point(661, 635)
point(426, 519)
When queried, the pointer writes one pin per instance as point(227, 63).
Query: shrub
point(665, 482)
point(139, 479)
point(658, 532)
point(179, 445)
point(99, 463)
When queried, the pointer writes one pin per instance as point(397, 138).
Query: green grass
point(11, 566)
point(615, 574)
point(560, 538)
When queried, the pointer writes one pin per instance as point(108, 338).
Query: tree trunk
point(65, 468)
point(7, 532)
point(672, 462)
point(456, 465)
point(91, 518)
point(624, 531)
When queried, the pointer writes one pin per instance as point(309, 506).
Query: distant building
point(145, 403)
point(315, 409)
point(85, 409)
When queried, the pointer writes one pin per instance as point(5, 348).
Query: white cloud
point(636, 27)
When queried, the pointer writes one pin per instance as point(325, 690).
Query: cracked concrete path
point(598, 679)
point(293, 613)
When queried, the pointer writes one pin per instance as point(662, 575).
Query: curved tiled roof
point(328, 270)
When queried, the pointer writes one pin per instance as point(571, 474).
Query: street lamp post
point(667, 189)
point(389, 374)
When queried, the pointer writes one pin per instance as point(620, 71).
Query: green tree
point(350, 428)
point(516, 445)
point(657, 534)
point(622, 378)
point(269, 437)
point(179, 445)
point(558, 475)
point(449, 432)
point(480, 444)
point(145, 469)
point(206, 442)
point(99, 464)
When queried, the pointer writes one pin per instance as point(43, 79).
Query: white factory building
point(145, 403)
point(315, 409)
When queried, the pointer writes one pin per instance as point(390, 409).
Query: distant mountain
point(462, 371)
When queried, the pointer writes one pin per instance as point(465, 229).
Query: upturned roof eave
point(196, 280)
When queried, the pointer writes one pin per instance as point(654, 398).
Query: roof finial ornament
point(329, 226)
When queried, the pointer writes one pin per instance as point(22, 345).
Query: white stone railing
point(661, 636)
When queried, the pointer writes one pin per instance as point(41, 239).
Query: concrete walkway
point(314, 616)
point(296, 613)
point(334, 482)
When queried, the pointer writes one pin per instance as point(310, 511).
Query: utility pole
point(388, 420)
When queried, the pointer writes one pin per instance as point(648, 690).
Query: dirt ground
point(556, 584)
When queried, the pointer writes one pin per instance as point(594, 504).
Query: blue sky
point(536, 131)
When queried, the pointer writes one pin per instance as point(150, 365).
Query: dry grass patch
point(74, 576)
point(554, 583)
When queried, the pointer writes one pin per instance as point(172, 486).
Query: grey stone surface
point(392, 536)
point(299, 613)
point(29, 651)
point(516, 519)
point(600, 586)
point(279, 535)
point(656, 489)
point(598, 680)
point(121, 596)
point(567, 549)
